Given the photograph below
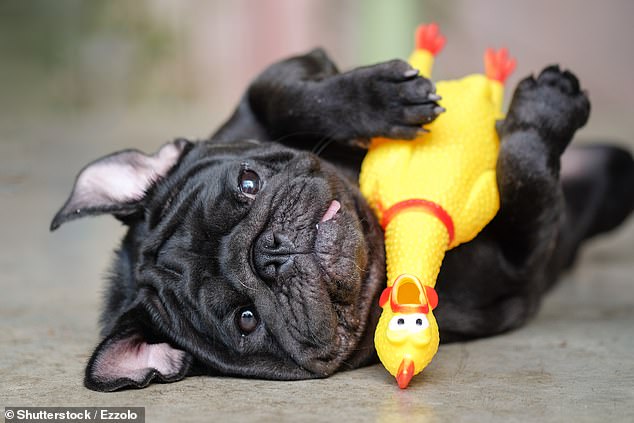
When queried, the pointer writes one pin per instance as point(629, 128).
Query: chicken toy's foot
point(498, 64)
point(429, 38)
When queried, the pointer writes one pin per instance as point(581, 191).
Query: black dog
point(232, 265)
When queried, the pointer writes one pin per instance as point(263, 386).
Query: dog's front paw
point(553, 103)
point(395, 101)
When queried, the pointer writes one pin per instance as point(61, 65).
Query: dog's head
point(247, 259)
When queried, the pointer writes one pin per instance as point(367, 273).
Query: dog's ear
point(133, 355)
point(118, 182)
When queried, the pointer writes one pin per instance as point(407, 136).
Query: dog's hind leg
point(544, 114)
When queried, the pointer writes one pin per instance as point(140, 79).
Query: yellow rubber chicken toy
point(430, 195)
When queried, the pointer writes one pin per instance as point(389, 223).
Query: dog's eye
point(247, 320)
point(249, 182)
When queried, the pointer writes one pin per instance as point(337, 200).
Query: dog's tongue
point(333, 208)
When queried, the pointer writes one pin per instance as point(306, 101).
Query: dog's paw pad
point(563, 80)
point(418, 91)
point(417, 102)
point(395, 100)
point(555, 94)
point(573, 103)
point(421, 114)
point(553, 103)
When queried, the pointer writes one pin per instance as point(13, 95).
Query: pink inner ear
point(113, 182)
point(125, 176)
point(133, 358)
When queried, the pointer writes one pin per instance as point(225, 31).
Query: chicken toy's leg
point(429, 42)
point(498, 65)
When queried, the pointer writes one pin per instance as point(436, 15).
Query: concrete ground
point(574, 362)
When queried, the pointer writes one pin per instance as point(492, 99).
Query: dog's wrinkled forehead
point(218, 184)
point(211, 164)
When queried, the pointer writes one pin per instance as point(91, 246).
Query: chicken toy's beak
point(405, 373)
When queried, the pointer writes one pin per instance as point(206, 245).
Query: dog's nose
point(271, 254)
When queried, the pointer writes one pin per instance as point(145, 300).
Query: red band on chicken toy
point(426, 205)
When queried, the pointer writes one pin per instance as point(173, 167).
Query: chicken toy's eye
point(409, 322)
point(249, 182)
point(418, 322)
point(398, 323)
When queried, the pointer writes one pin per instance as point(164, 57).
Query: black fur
point(199, 251)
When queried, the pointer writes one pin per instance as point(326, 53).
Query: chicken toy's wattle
point(432, 194)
